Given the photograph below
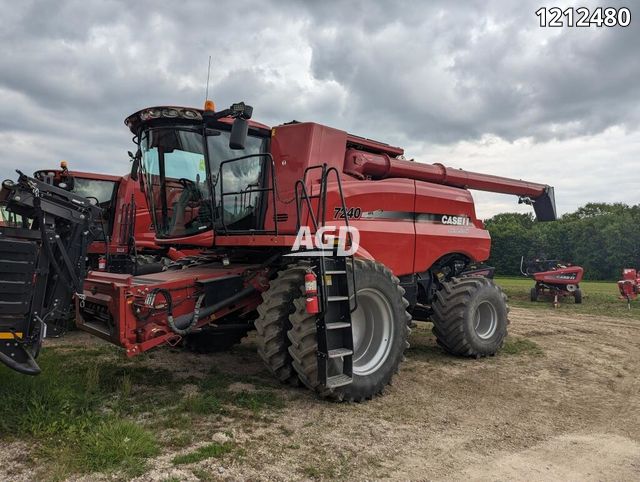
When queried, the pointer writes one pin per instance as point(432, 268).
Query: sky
point(477, 85)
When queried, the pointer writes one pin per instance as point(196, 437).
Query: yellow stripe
point(9, 336)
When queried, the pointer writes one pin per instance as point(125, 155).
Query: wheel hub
point(372, 325)
point(485, 320)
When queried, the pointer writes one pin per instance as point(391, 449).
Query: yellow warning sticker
point(10, 336)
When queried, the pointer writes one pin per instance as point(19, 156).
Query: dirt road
point(569, 409)
point(563, 404)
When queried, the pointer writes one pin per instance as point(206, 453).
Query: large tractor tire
point(577, 296)
point(470, 317)
point(273, 323)
point(214, 341)
point(380, 330)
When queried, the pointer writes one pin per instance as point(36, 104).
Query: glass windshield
point(104, 192)
point(177, 180)
point(95, 188)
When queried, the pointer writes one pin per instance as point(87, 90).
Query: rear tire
point(470, 317)
point(534, 294)
point(577, 296)
point(381, 308)
point(273, 323)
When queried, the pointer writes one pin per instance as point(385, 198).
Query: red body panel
point(118, 295)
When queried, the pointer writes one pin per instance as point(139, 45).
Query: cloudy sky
point(476, 85)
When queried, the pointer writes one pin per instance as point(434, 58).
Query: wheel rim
point(486, 320)
point(372, 325)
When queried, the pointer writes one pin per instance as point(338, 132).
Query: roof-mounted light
point(209, 105)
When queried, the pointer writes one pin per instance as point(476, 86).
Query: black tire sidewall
point(369, 277)
point(486, 293)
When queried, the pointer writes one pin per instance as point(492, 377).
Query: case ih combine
point(235, 193)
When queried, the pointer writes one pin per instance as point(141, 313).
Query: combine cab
point(554, 278)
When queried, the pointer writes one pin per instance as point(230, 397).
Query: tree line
point(602, 238)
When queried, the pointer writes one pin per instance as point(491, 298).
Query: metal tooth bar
point(337, 325)
point(338, 381)
point(339, 352)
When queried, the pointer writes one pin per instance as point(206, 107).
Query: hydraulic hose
point(195, 316)
point(29, 367)
point(184, 324)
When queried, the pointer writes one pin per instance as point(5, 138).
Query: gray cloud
point(435, 77)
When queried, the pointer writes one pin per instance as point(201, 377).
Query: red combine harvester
point(241, 196)
point(629, 285)
point(126, 228)
point(555, 278)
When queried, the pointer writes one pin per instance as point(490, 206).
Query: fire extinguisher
point(311, 292)
point(102, 263)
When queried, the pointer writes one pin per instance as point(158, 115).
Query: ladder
point(336, 288)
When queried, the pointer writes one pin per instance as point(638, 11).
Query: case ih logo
point(346, 242)
point(455, 220)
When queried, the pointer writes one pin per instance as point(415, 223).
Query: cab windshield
point(177, 181)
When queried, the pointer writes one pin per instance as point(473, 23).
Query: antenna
point(206, 92)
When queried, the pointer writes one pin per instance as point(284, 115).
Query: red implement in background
point(629, 285)
point(555, 278)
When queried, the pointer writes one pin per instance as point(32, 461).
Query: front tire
point(577, 296)
point(273, 323)
point(470, 317)
point(534, 294)
point(380, 327)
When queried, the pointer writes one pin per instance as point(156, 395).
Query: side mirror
point(239, 131)
point(135, 164)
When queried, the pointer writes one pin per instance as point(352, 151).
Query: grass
point(520, 346)
point(92, 410)
point(599, 298)
point(212, 450)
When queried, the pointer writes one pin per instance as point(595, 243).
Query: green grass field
point(598, 298)
point(104, 413)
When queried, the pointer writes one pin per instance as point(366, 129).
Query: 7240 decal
point(352, 213)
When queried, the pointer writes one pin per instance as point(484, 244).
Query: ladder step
point(337, 325)
point(337, 271)
point(339, 352)
point(338, 381)
point(337, 298)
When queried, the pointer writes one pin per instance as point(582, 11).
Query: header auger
point(231, 194)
